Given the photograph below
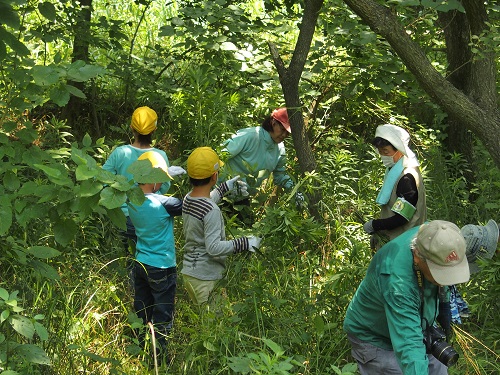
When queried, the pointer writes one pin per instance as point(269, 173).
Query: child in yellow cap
point(155, 273)
point(206, 247)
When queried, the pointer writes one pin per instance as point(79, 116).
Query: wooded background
point(72, 72)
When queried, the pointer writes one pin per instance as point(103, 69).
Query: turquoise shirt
point(121, 158)
point(154, 227)
point(254, 156)
point(385, 310)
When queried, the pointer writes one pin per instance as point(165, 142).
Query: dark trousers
point(154, 298)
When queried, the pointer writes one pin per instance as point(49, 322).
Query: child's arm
point(172, 205)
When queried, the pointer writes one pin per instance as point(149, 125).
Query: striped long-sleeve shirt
point(206, 248)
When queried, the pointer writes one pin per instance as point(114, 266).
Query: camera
point(435, 344)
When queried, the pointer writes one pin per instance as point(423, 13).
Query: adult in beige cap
point(143, 124)
point(397, 301)
point(402, 196)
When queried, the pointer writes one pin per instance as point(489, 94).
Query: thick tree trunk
point(80, 52)
point(459, 55)
point(477, 112)
point(289, 78)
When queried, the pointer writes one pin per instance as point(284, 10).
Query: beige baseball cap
point(443, 246)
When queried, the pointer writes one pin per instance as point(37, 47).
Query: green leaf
point(10, 181)
point(44, 270)
point(8, 16)
point(41, 331)
point(118, 218)
point(65, 231)
point(4, 316)
point(79, 71)
point(136, 195)
point(144, 173)
point(43, 252)
point(9, 39)
point(87, 141)
point(4, 294)
point(274, 347)
point(49, 171)
point(83, 172)
point(33, 354)
point(59, 95)
point(22, 325)
point(319, 324)
point(166, 30)
point(45, 75)
point(89, 188)
point(112, 198)
point(209, 346)
point(47, 10)
point(6, 219)
point(75, 91)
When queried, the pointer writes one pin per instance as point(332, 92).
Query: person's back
point(155, 273)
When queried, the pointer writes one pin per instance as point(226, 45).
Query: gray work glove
point(253, 243)
point(368, 227)
point(175, 171)
point(232, 185)
point(299, 200)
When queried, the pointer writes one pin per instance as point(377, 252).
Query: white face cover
point(388, 161)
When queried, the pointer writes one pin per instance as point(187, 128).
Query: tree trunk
point(80, 52)
point(477, 112)
point(459, 55)
point(289, 79)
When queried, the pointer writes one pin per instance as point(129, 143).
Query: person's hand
point(253, 243)
point(299, 200)
point(368, 227)
point(175, 171)
point(237, 187)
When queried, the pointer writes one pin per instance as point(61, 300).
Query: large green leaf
point(45, 75)
point(22, 325)
point(118, 218)
point(9, 39)
point(89, 188)
point(144, 173)
point(6, 219)
point(112, 198)
point(33, 354)
point(11, 181)
point(47, 10)
point(43, 269)
point(43, 252)
point(59, 95)
point(65, 231)
point(79, 71)
point(83, 172)
point(8, 16)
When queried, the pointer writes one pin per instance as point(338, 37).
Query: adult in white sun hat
point(402, 196)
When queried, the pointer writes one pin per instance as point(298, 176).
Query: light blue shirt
point(154, 227)
point(122, 157)
point(254, 156)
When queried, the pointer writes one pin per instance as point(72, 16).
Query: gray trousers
point(376, 361)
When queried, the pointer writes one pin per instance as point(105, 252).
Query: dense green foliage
point(65, 301)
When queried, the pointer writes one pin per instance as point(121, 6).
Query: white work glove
point(175, 171)
point(253, 243)
point(368, 227)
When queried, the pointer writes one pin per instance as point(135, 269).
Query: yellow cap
point(203, 163)
point(144, 120)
